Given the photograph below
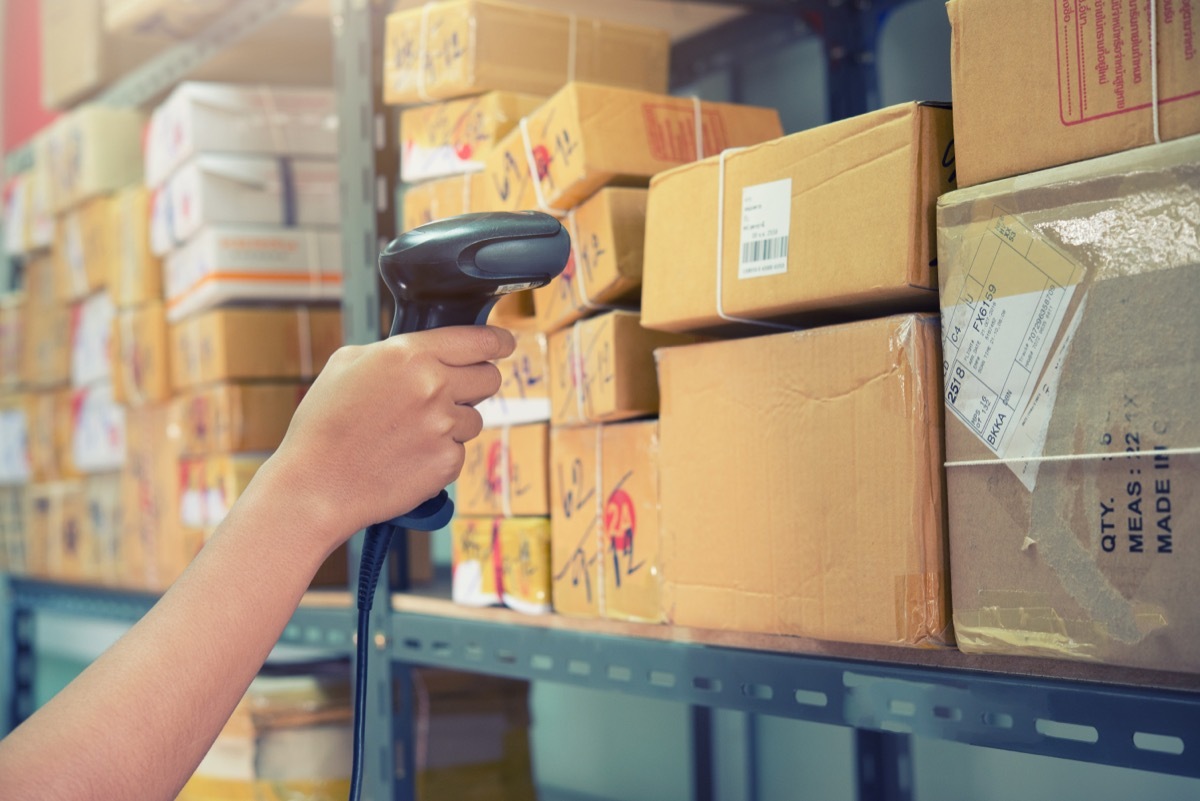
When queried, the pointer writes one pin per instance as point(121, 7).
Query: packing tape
point(720, 304)
point(534, 177)
point(1074, 457)
point(423, 52)
point(922, 614)
point(572, 46)
point(505, 471)
point(304, 341)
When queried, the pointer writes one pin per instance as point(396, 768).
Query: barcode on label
point(765, 250)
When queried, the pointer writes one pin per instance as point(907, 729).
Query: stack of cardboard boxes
point(585, 155)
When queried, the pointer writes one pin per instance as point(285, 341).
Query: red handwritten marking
point(464, 151)
point(619, 510)
point(494, 483)
point(541, 157)
point(497, 558)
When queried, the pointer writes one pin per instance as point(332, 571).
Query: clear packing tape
point(1072, 362)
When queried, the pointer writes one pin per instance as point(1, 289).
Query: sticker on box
point(766, 222)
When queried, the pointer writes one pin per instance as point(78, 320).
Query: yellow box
point(85, 242)
point(524, 394)
point(475, 560)
point(253, 343)
point(602, 369)
point(140, 358)
point(235, 418)
point(46, 346)
point(93, 150)
point(587, 136)
point(502, 560)
point(444, 197)
point(152, 541)
point(55, 544)
point(456, 136)
point(134, 272)
point(607, 233)
point(505, 473)
point(465, 47)
point(102, 527)
point(12, 312)
point(13, 508)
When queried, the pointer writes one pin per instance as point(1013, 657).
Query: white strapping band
point(423, 52)
point(721, 251)
point(577, 368)
point(505, 468)
point(534, 177)
point(585, 300)
point(304, 340)
point(1076, 457)
point(1154, 69)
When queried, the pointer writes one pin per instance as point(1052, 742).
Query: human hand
point(382, 428)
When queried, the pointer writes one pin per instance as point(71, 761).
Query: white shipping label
point(997, 334)
point(766, 218)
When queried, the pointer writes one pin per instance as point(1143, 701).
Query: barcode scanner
point(449, 272)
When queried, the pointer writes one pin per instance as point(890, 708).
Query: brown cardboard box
point(102, 522)
point(93, 150)
point(54, 541)
point(84, 243)
point(607, 234)
point(48, 453)
point(96, 426)
point(12, 323)
point(802, 484)
point(41, 282)
point(91, 340)
point(487, 488)
point(456, 136)
point(253, 343)
point(235, 418)
point(134, 272)
point(1072, 353)
point(826, 224)
point(152, 542)
point(587, 136)
point(13, 506)
point(140, 355)
point(1034, 89)
point(605, 534)
point(524, 394)
point(502, 560)
point(464, 47)
point(444, 197)
point(46, 347)
point(515, 312)
point(614, 377)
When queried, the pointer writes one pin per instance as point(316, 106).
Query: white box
point(97, 430)
point(230, 264)
point(91, 339)
point(218, 118)
point(14, 445)
point(243, 190)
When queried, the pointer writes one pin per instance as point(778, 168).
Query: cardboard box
point(140, 355)
point(15, 465)
point(1070, 477)
point(444, 197)
point(12, 323)
point(28, 220)
point(502, 560)
point(1034, 89)
point(41, 283)
point(12, 529)
point(607, 234)
point(241, 344)
point(243, 190)
point(135, 274)
point(97, 430)
point(216, 118)
point(587, 136)
point(49, 442)
point(91, 340)
point(831, 223)
point(524, 394)
point(515, 312)
point(235, 418)
point(54, 543)
point(239, 264)
point(153, 543)
point(102, 520)
point(93, 150)
point(505, 473)
point(46, 346)
point(464, 47)
point(802, 485)
point(605, 529)
point(456, 136)
point(85, 242)
point(602, 369)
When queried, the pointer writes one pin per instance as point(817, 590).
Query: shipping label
point(766, 221)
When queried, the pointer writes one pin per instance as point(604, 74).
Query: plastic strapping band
point(128, 356)
point(304, 340)
point(572, 47)
point(505, 467)
point(423, 52)
point(1154, 69)
point(534, 177)
point(238, 423)
point(699, 122)
point(312, 255)
point(287, 191)
point(1075, 457)
point(577, 368)
point(721, 251)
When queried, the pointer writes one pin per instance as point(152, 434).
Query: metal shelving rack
point(1086, 713)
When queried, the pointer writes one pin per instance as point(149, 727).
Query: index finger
point(459, 346)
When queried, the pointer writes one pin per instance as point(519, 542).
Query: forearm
point(136, 723)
